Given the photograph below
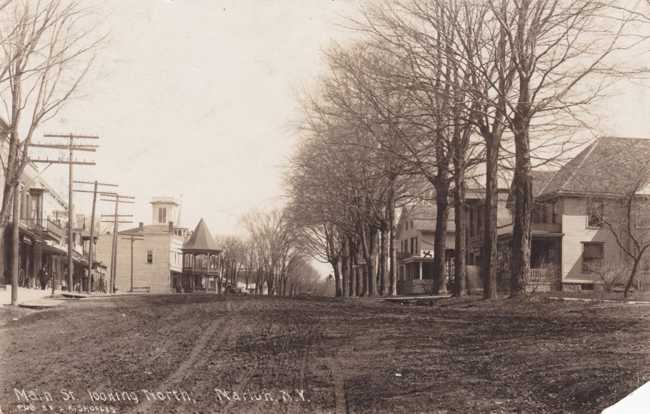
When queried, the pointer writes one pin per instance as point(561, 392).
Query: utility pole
point(71, 147)
point(117, 199)
point(133, 238)
point(92, 223)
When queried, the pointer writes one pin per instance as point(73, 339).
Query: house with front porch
point(415, 236)
point(584, 202)
point(572, 248)
point(546, 239)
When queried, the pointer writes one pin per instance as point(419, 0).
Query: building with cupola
point(149, 256)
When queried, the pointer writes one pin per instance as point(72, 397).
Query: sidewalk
point(37, 297)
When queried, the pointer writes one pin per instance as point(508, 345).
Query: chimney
point(141, 226)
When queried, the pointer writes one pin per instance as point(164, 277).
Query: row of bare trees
point(432, 89)
point(271, 259)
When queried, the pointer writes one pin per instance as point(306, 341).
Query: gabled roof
point(610, 166)
point(201, 240)
point(541, 179)
point(423, 215)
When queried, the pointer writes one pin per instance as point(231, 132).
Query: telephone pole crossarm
point(70, 147)
point(71, 136)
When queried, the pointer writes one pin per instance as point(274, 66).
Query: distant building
point(42, 235)
point(415, 237)
point(156, 259)
point(201, 262)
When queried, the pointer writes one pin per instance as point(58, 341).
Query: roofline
point(541, 191)
point(193, 250)
point(620, 137)
point(558, 194)
point(589, 150)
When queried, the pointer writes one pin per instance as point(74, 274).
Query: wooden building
point(200, 261)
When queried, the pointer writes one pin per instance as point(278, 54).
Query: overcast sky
point(196, 98)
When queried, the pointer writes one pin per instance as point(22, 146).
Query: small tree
point(611, 274)
point(631, 227)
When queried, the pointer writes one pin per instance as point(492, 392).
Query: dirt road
point(207, 354)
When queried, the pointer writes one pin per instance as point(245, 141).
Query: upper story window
point(162, 215)
point(595, 213)
point(149, 256)
point(642, 216)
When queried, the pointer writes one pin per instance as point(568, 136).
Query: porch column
point(420, 269)
point(37, 260)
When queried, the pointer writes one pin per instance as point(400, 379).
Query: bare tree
point(629, 222)
point(556, 48)
point(47, 49)
point(274, 239)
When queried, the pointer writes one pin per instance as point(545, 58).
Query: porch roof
point(535, 234)
point(201, 241)
point(417, 259)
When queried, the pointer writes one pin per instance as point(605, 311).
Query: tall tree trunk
point(489, 250)
point(369, 253)
point(392, 264)
point(6, 279)
point(440, 241)
point(355, 277)
point(347, 268)
point(364, 244)
point(523, 196)
point(383, 258)
point(270, 283)
point(337, 279)
point(460, 241)
point(363, 278)
point(344, 279)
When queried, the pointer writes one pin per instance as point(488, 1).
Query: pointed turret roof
point(201, 240)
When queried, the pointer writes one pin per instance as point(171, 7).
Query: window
point(162, 215)
point(642, 218)
point(149, 256)
point(595, 212)
point(592, 256)
point(556, 212)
